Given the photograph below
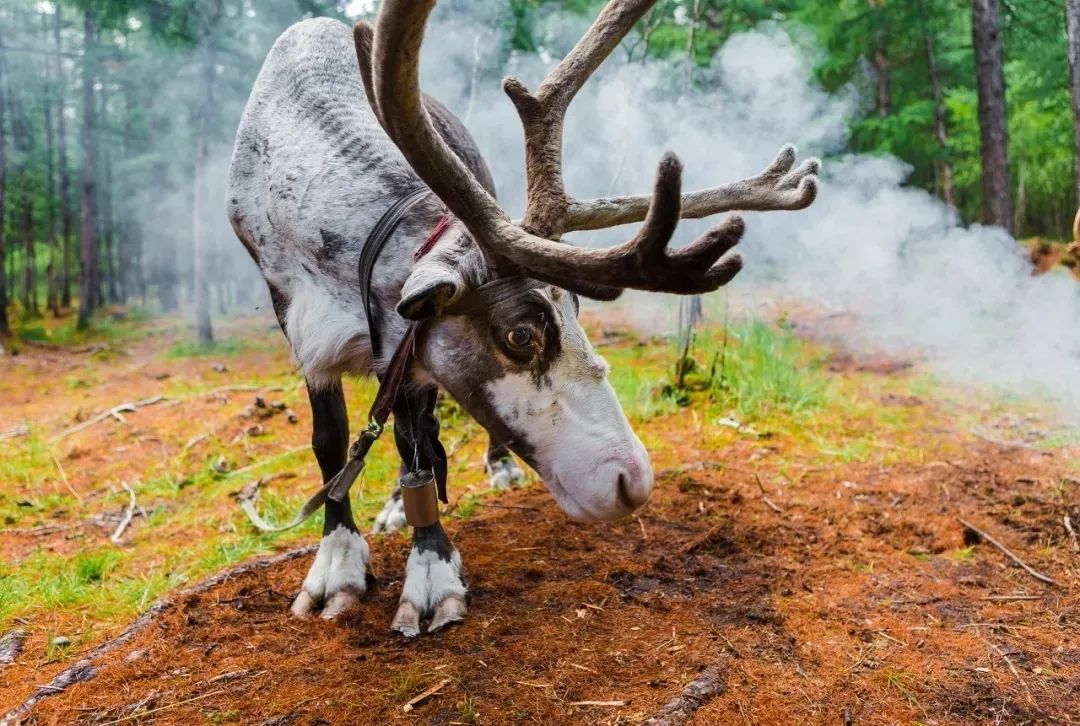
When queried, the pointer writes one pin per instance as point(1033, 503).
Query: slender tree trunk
point(65, 173)
point(941, 129)
point(88, 225)
point(26, 227)
point(108, 218)
point(997, 205)
point(4, 327)
point(23, 141)
point(132, 282)
point(1072, 27)
point(880, 61)
point(51, 294)
point(198, 234)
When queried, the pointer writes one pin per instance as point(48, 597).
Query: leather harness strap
point(337, 489)
point(369, 254)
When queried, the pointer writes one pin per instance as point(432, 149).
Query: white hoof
point(391, 518)
point(505, 473)
point(337, 578)
point(407, 620)
point(433, 589)
point(450, 610)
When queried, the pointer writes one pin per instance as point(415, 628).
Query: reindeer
point(323, 152)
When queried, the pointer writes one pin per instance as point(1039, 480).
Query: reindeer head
point(503, 336)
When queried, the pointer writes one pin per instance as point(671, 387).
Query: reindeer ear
point(431, 287)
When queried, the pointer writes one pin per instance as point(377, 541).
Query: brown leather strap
point(338, 487)
point(393, 377)
point(389, 386)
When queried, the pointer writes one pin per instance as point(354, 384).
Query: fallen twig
point(39, 531)
point(1000, 442)
point(1008, 553)
point(15, 432)
point(1008, 661)
point(11, 645)
point(709, 684)
point(597, 703)
point(264, 462)
point(129, 513)
point(167, 706)
point(425, 695)
point(64, 478)
point(194, 440)
point(1010, 598)
point(114, 412)
point(765, 498)
point(644, 534)
point(509, 506)
point(1072, 533)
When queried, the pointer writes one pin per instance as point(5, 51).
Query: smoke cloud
point(913, 279)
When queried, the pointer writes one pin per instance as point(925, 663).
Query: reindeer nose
point(633, 484)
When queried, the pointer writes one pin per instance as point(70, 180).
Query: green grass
point(466, 710)
point(763, 370)
point(219, 348)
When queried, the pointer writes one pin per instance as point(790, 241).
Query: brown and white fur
point(312, 172)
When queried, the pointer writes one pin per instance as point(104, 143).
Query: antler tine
point(644, 262)
point(395, 98)
point(775, 188)
point(542, 113)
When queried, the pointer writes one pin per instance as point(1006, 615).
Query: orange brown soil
point(809, 592)
point(836, 602)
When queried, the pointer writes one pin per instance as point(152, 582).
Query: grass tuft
point(195, 349)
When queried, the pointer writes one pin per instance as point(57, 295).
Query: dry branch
point(114, 412)
point(1072, 532)
point(64, 478)
point(425, 695)
point(707, 686)
point(764, 497)
point(129, 513)
point(15, 432)
point(11, 645)
point(1008, 553)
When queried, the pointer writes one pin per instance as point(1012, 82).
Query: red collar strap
point(432, 238)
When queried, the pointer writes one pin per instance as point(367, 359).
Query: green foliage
point(765, 370)
point(218, 348)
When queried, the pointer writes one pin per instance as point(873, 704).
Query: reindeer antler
point(389, 60)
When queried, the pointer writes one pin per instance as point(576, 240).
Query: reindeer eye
point(519, 337)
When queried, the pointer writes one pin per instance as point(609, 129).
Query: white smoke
point(894, 257)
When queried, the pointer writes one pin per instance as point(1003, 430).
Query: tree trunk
point(108, 219)
point(26, 227)
point(131, 247)
point(880, 61)
point(198, 234)
point(941, 131)
point(88, 225)
point(22, 139)
point(997, 206)
point(51, 295)
point(4, 328)
point(65, 172)
point(1072, 28)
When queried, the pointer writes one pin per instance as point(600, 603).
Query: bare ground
point(758, 586)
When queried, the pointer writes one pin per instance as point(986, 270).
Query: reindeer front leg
point(341, 572)
point(434, 587)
